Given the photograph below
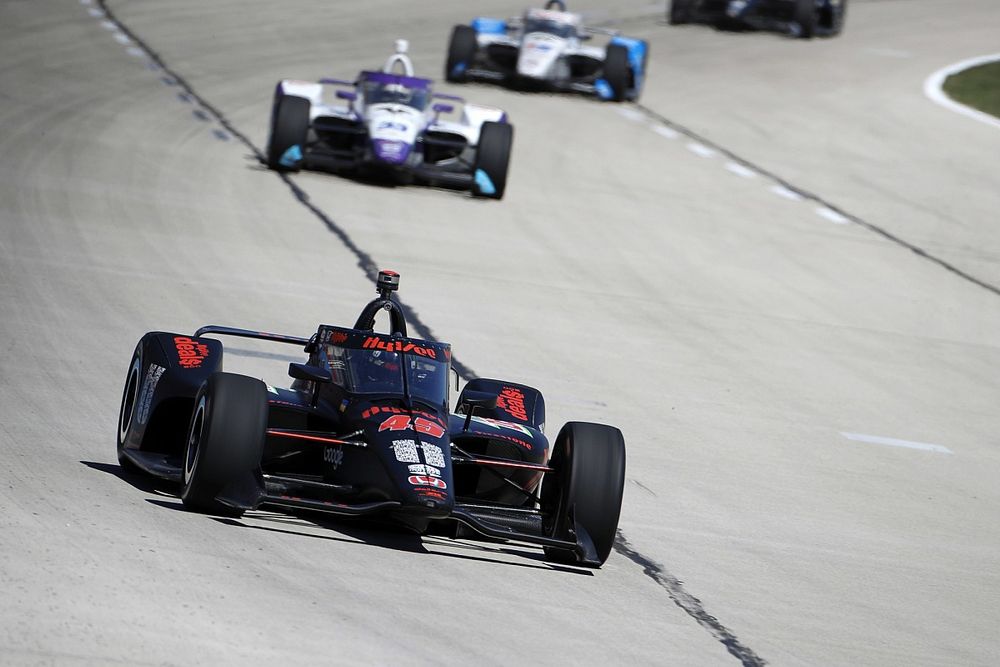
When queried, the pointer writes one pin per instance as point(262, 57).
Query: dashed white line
point(135, 51)
point(741, 170)
point(890, 53)
point(831, 215)
point(122, 38)
point(896, 442)
point(782, 191)
point(109, 25)
point(701, 150)
point(95, 12)
point(666, 132)
point(631, 114)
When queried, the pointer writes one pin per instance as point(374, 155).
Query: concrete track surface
point(637, 276)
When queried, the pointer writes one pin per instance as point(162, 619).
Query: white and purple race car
point(547, 49)
point(390, 123)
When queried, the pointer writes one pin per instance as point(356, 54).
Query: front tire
point(489, 172)
point(585, 488)
point(806, 17)
point(225, 440)
point(129, 407)
point(679, 12)
point(837, 17)
point(616, 71)
point(289, 128)
point(461, 53)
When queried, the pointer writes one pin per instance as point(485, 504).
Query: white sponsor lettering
point(406, 451)
point(433, 454)
point(148, 388)
point(334, 456)
point(421, 469)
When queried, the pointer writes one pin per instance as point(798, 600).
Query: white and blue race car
point(390, 123)
point(547, 49)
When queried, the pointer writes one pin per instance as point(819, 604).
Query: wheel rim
point(194, 441)
point(128, 401)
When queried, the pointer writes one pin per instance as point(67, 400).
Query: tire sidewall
point(129, 403)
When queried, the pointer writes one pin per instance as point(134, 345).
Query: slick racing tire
point(616, 71)
point(129, 406)
point(289, 127)
point(679, 12)
point(806, 17)
point(833, 18)
point(492, 159)
point(225, 440)
point(585, 487)
point(461, 53)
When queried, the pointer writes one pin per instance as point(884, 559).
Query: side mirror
point(310, 373)
point(347, 95)
point(442, 108)
point(476, 399)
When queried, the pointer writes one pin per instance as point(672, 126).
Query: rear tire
point(806, 17)
point(225, 440)
point(461, 53)
point(679, 12)
point(493, 158)
point(617, 71)
point(289, 127)
point(587, 485)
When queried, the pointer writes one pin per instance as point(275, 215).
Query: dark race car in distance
point(800, 18)
point(365, 430)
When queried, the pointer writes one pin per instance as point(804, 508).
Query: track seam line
point(691, 605)
point(365, 261)
point(810, 196)
point(688, 603)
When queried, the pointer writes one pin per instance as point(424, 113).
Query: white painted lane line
point(782, 191)
point(122, 38)
point(701, 150)
point(109, 25)
point(741, 170)
point(666, 132)
point(135, 51)
point(85, 2)
point(933, 89)
point(831, 215)
point(896, 442)
point(889, 53)
point(95, 12)
point(631, 114)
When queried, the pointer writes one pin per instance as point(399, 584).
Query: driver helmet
point(396, 92)
point(382, 369)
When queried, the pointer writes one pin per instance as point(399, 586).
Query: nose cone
point(390, 151)
point(538, 54)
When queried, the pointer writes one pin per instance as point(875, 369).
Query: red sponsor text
point(190, 353)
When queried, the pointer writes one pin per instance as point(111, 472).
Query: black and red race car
point(800, 18)
point(365, 429)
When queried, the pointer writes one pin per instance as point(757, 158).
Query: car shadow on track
point(255, 163)
point(137, 480)
point(389, 536)
point(383, 535)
